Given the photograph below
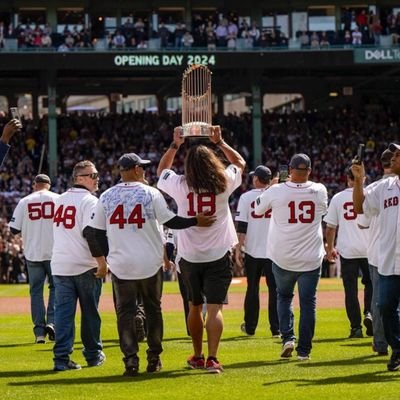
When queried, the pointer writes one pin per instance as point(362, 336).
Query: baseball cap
point(130, 160)
point(42, 178)
point(386, 157)
point(393, 147)
point(300, 161)
point(261, 172)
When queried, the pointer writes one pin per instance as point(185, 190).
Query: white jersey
point(256, 239)
point(203, 244)
point(295, 240)
point(351, 240)
point(131, 213)
point(382, 200)
point(71, 254)
point(33, 216)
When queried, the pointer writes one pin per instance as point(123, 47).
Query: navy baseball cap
point(42, 178)
point(393, 147)
point(261, 172)
point(130, 160)
point(300, 161)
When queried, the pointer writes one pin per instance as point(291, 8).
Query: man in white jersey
point(205, 262)
point(351, 246)
point(130, 214)
point(252, 232)
point(295, 246)
point(33, 218)
point(379, 344)
point(382, 201)
point(75, 273)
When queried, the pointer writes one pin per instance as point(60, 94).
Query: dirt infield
point(173, 302)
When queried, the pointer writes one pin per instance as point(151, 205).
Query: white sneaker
point(40, 339)
point(287, 349)
point(303, 358)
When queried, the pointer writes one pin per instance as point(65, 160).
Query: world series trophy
point(196, 102)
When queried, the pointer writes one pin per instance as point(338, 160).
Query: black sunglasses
point(93, 175)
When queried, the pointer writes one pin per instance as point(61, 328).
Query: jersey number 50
point(43, 210)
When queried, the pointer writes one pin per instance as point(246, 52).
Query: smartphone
point(283, 173)
point(360, 153)
point(15, 113)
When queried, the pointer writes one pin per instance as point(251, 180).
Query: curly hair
point(204, 171)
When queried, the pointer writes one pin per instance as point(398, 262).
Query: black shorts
point(211, 279)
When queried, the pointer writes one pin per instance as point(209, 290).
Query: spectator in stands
point(356, 37)
point(211, 41)
point(324, 40)
point(118, 41)
point(178, 34)
point(221, 33)
point(304, 40)
point(187, 40)
point(46, 40)
point(164, 34)
point(254, 33)
point(377, 31)
point(314, 40)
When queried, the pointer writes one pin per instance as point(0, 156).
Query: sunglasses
point(93, 175)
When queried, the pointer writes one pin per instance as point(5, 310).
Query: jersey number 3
point(135, 217)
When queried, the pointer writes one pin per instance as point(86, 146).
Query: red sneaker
point(214, 366)
point(196, 362)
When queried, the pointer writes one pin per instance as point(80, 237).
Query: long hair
point(204, 171)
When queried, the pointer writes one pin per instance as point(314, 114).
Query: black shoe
point(66, 367)
point(140, 329)
point(131, 371)
point(154, 365)
point(51, 334)
point(368, 324)
point(355, 333)
point(394, 363)
point(97, 361)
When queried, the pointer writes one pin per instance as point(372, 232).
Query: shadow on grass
point(355, 379)
point(371, 359)
point(11, 345)
point(72, 377)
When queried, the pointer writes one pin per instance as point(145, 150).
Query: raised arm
point(168, 158)
point(231, 154)
point(358, 188)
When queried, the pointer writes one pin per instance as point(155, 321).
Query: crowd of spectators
point(216, 30)
point(329, 137)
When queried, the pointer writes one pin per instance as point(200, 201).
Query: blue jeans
point(38, 271)
point(69, 289)
point(307, 286)
point(389, 297)
point(379, 341)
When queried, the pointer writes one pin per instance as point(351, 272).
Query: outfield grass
point(340, 368)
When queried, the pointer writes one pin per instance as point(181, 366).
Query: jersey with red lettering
point(131, 213)
point(351, 241)
point(256, 239)
point(383, 200)
point(33, 216)
point(203, 244)
point(71, 254)
point(295, 240)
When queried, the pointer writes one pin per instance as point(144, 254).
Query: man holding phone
point(8, 132)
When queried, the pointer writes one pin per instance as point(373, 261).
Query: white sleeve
point(162, 212)
point(18, 216)
point(98, 218)
point(168, 182)
point(263, 202)
point(234, 175)
point(242, 210)
point(364, 220)
point(371, 200)
point(332, 217)
point(323, 199)
point(88, 207)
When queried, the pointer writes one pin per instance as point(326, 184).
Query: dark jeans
point(350, 271)
point(185, 299)
point(389, 297)
point(126, 294)
point(68, 290)
point(254, 268)
point(307, 283)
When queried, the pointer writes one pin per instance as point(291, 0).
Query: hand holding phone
point(283, 173)
point(360, 154)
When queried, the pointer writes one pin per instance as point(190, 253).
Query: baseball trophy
point(196, 102)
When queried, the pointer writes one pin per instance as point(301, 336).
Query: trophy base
point(196, 129)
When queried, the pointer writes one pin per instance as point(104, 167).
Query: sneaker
point(303, 357)
point(131, 371)
point(196, 362)
point(355, 333)
point(287, 349)
point(154, 365)
point(66, 367)
point(51, 334)
point(276, 335)
point(140, 330)
point(368, 324)
point(97, 361)
point(213, 366)
point(40, 339)
point(394, 363)
point(243, 329)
